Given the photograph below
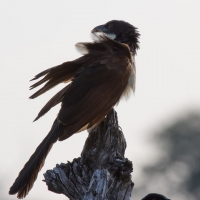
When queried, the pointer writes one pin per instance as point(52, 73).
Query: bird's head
point(120, 31)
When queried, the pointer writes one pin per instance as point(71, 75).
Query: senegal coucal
point(97, 81)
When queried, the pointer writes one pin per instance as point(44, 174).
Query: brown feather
point(27, 176)
point(57, 98)
point(98, 80)
point(41, 74)
point(94, 92)
point(62, 73)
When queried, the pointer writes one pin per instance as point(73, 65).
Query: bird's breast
point(131, 81)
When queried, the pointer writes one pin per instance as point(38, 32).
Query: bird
point(96, 82)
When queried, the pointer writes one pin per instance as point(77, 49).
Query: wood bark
point(102, 172)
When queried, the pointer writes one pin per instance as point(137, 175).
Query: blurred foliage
point(177, 172)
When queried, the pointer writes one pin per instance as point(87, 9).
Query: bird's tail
point(27, 176)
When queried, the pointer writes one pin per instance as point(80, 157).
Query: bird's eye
point(111, 26)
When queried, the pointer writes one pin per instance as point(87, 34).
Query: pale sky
point(36, 35)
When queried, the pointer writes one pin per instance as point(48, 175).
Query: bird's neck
point(132, 43)
point(133, 46)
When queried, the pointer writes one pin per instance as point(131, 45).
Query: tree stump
point(102, 172)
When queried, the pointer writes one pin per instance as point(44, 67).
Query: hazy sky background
point(35, 35)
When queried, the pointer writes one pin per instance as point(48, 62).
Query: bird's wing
point(65, 72)
point(93, 93)
point(58, 74)
point(91, 73)
point(56, 99)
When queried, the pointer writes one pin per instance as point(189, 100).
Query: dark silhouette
point(154, 196)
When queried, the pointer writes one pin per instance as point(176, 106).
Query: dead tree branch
point(102, 172)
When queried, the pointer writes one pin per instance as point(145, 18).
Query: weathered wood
point(102, 172)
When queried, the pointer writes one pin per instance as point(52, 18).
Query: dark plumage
point(97, 81)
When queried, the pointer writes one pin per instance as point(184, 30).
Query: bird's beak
point(100, 28)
